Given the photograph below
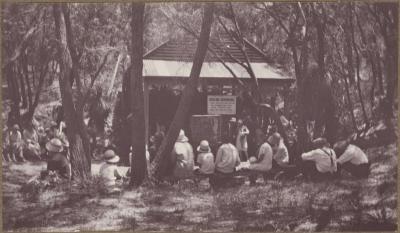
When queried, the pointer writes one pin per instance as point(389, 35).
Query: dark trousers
point(243, 155)
point(359, 171)
point(310, 171)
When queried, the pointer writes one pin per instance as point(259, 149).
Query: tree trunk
point(139, 163)
point(80, 161)
point(349, 47)
point(391, 23)
point(359, 92)
point(188, 93)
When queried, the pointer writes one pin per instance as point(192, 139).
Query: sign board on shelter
point(221, 105)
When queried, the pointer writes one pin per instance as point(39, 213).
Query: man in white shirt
point(280, 162)
point(227, 158)
point(320, 162)
point(352, 159)
point(263, 163)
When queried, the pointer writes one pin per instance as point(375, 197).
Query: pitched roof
point(184, 49)
point(174, 59)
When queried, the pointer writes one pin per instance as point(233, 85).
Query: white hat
point(182, 137)
point(54, 145)
point(110, 156)
point(204, 146)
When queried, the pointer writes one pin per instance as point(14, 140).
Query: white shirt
point(206, 162)
point(227, 158)
point(185, 159)
point(266, 154)
point(354, 155)
point(109, 173)
point(241, 138)
point(323, 162)
point(281, 155)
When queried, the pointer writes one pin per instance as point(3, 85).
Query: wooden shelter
point(171, 62)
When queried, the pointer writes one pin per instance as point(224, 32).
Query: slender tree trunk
point(80, 161)
point(349, 47)
point(23, 89)
point(139, 163)
point(370, 60)
point(391, 24)
point(357, 55)
point(188, 93)
point(379, 72)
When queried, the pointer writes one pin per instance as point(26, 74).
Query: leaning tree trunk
point(139, 164)
point(80, 162)
point(182, 112)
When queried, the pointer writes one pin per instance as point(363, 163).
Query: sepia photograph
point(199, 116)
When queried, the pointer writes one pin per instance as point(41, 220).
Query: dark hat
point(320, 142)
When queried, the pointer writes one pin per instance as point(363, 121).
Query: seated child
point(109, 171)
point(205, 159)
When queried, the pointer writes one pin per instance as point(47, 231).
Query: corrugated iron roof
point(174, 59)
point(184, 49)
point(167, 68)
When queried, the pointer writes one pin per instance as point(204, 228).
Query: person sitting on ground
point(205, 159)
point(281, 154)
point(227, 157)
point(14, 144)
point(56, 159)
point(320, 162)
point(109, 171)
point(262, 163)
point(352, 159)
point(280, 162)
point(241, 140)
point(182, 158)
point(31, 142)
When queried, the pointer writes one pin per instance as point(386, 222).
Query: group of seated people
point(271, 158)
point(31, 143)
point(28, 145)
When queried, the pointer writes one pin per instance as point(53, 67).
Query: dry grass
point(275, 206)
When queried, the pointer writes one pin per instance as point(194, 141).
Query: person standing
point(14, 144)
point(241, 140)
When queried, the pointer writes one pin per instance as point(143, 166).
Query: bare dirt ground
point(296, 205)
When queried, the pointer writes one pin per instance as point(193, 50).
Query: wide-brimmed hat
point(54, 145)
point(274, 139)
point(182, 137)
point(110, 156)
point(204, 147)
point(320, 142)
